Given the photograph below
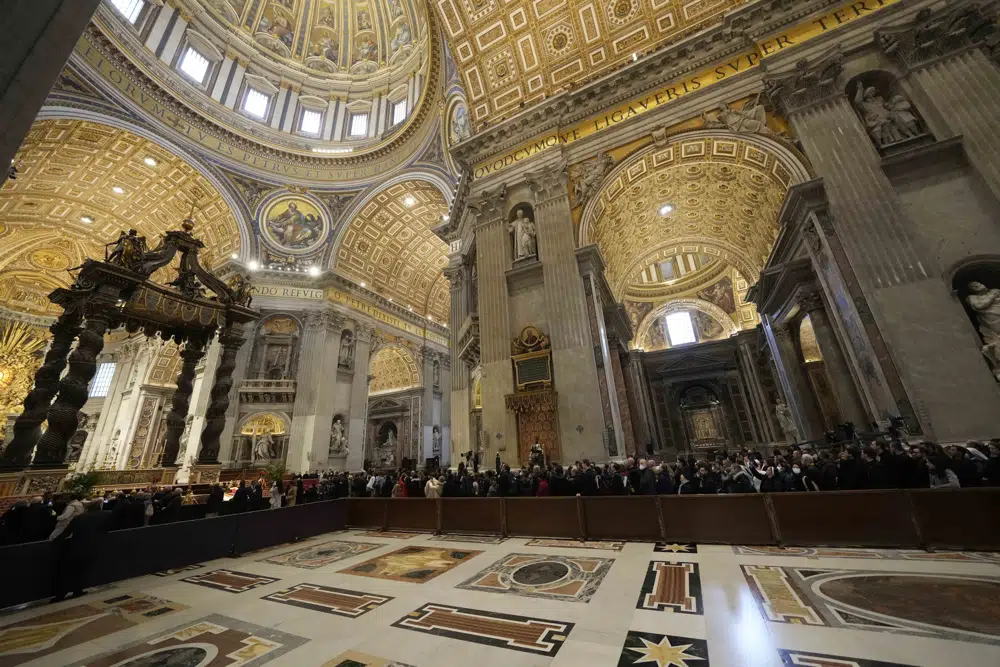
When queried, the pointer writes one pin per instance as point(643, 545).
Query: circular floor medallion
point(540, 574)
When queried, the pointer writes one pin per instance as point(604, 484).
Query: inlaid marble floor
point(358, 599)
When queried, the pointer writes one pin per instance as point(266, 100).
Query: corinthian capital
point(809, 83)
point(488, 205)
point(782, 334)
point(935, 35)
point(810, 300)
point(549, 183)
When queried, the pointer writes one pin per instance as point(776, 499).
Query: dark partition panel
point(725, 519)
point(471, 515)
point(622, 518)
point(366, 512)
point(960, 518)
point(26, 572)
point(543, 517)
point(257, 530)
point(413, 514)
point(846, 518)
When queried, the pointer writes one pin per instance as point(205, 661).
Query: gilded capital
point(809, 83)
point(549, 183)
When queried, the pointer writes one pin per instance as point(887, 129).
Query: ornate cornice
point(673, 60)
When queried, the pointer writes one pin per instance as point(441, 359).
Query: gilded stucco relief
point(393, 368)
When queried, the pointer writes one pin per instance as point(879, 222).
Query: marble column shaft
point(356, 427)
point(645, 416)
point(581, 416)
point(459, 401)
point(312, 411)
point(761, 409)
point(798, 390)
point(836, 365)
point(96, 447)
point(963, 89)
point(492, 261)
point(951, 389)
point(621, 393)
point(226, 453)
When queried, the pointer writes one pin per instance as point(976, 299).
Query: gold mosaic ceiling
point(68, 170)
point(393, 368)
point(521, 51)
point(725, 193)
point(389, 245)
point(325, 36)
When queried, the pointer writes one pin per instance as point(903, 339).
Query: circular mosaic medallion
point(560, 41)
point(49, 260)
point(622, 8)
point(540, 574)
point(620, 12)
point(293, 223)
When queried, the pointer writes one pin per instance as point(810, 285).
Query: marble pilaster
point(904, 302)
point(458, 398)
point(798, 391)
point(761, 410)
point(628, 442)
point(644, 417)
point(834, 361)
point(358, 419)
point(581, 416)
point(492, 262)
point(312, 412)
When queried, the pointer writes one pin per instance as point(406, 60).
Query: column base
point(202, 473)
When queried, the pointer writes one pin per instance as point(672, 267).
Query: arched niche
point(976, 284)
point(262, 438)
point(276, 348)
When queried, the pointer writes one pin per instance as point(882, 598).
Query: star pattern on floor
point(663, 653)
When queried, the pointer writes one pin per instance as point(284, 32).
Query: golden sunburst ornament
point(663, 654)
point(19, 347)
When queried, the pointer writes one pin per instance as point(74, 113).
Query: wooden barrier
point(954, 518)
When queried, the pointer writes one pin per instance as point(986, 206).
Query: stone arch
point(386, 241)
point(394, 369)
point(721, 185)
point(277, 420)
point(691, 304)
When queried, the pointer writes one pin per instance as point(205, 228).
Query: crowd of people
point(882, 464)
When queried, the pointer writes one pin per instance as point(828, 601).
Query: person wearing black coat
point(647, 480)
point(171, 507)
point(41, 520)
point(215, 498)
point(240, 499)
point(771, 483)
point(77, 546)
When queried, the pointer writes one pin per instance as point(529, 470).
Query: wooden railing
point(925, 518)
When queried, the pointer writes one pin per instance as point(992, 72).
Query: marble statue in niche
point(985, 302)
point(338, 438)
point(523, 229)
point(346, 359)
point(788, 427)
point(887, 122)
point(436, 442)
point(436, 374)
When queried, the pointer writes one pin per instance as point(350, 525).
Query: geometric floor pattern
point(349, 600)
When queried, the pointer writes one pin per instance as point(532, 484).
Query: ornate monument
point(986, 304)
point(522, 227)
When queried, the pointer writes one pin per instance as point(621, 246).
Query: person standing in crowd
point(433, 487)
point(275, 495)
point(216, 496)
point(74, 508)
point(77, 544)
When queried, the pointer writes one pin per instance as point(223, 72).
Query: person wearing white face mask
point(647, 479)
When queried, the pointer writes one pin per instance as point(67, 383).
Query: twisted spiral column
point(62, 416)
point(27, 428)
point(194, 350)
point(231, 339)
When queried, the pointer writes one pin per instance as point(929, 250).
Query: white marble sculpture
point(887, 123)
point(346, 350)
point(588, 176)
point(436, 442)
point(263, 447)
point(786, 422)
point(338, 439)
point(524, 236)
point(986, 303)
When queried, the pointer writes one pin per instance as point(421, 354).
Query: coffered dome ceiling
point(389, 246)
point(336, 58)
point(724, 194)
point(78, 184)
point(517, 52)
